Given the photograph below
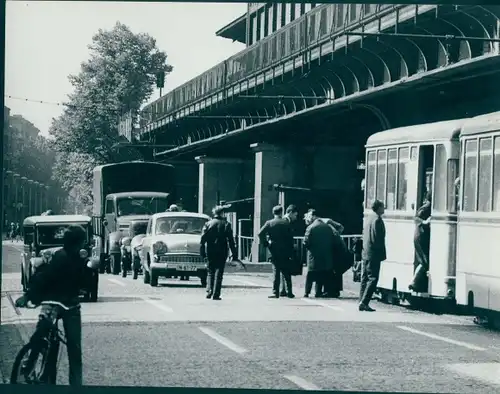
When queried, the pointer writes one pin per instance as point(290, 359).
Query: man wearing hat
point(216, 240)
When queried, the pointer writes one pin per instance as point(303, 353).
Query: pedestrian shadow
point(198, 286)
point(116, 299)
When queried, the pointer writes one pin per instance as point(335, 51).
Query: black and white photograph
point(266, 196)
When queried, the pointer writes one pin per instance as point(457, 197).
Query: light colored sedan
point(171, 247)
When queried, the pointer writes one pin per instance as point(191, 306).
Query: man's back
point(374, 239)
point(279, 233)
point(217, 235)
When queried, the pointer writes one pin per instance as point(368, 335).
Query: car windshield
point(137, 228)
point(180, 225)
point(141, 205)
point(53, 234)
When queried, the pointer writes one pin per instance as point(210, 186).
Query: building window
point(307, 7)
point(440, 185)
point(279, 15)
point(353, 14)
point(254, 29)
point(392, 170)
point(262, 17)
point(271, 19)
point(485, 176)
point(381, 169)
point(287, 9)
point(403, 160)
point(371, 171)
point(297, 10)
point(470, 176)
point(496, 176)
point(340, 15)
point(452, 191)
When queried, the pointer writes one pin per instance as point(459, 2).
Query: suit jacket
point(374, 239)
point(320, 243)
point(276, 234)
point(217, 236)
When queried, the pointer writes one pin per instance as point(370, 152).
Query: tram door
point(425, 184)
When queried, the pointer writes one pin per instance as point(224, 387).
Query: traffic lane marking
point(302, 383)
point(116, 282)
point(323, 304)
point(443, 339)
point(484, 372)
point(157, 304)
point(222, 340)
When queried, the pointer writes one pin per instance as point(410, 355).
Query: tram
point(405, 163)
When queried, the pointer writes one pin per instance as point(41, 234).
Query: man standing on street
point(277, 236)
point(373, 254)
point(319, 241)
point(291, 215)
point(217, 237)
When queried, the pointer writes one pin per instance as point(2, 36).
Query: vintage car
point(171, 247)
point(129, 253)
point(43, 236)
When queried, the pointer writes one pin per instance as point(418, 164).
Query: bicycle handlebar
point(55, 303)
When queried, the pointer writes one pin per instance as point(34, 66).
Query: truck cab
point(119, 210)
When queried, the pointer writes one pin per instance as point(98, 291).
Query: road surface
point(137, 335)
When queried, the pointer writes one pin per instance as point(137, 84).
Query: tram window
point(452, 174)
point(470, 176)
point(439, 197)
point(496, 176)
point(402, 178)
point(381, 167)
point(484, 173)
point(371, 169)
point(392, 169)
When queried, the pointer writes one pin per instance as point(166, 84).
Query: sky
point(46, 41)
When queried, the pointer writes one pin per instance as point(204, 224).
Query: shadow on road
point(187, 285)
point(118, 299)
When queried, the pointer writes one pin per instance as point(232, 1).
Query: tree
point(119, 77)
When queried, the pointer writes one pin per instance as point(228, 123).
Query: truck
point(123, 192)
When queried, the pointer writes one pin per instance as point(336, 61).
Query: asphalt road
point(136, 335)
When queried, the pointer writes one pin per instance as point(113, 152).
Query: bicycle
point(49, 354)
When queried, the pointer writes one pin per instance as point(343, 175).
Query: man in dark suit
point(277, 236)
point(373, 254)
point(217, 235)
point(319, 240)
point(291, 215)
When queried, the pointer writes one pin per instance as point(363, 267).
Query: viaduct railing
point(316, 27)
point(245, 245)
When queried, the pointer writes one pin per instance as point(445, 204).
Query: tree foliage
point(119, 77)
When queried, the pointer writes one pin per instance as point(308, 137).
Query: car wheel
point(114, 260)
point(146, 276)
point(154, 279)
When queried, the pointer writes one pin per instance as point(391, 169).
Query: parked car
point(43, 236)
point(129, 253)
point(171, 247)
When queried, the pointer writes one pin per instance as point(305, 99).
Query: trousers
point(72, 324)
point(215, 276)
point(316, 277)
point(369, 279)
point(280, 273)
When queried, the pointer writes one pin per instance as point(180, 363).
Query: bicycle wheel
point(36, 374)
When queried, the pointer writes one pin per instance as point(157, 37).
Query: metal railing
point(310, 30)
point(245, 244)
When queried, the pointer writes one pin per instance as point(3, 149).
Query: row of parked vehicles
point(130, 229)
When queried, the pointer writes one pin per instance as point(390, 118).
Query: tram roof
point(446, 130)
point(482, 124)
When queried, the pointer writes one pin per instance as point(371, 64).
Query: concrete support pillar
point(273, 165)
point(219, 179)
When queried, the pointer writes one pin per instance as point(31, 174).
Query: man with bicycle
point(60, 280)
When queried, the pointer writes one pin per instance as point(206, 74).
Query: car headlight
point(46, 256)
point(126, 241)
point(159, 248)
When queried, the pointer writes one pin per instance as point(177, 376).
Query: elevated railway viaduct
point(296, 107)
